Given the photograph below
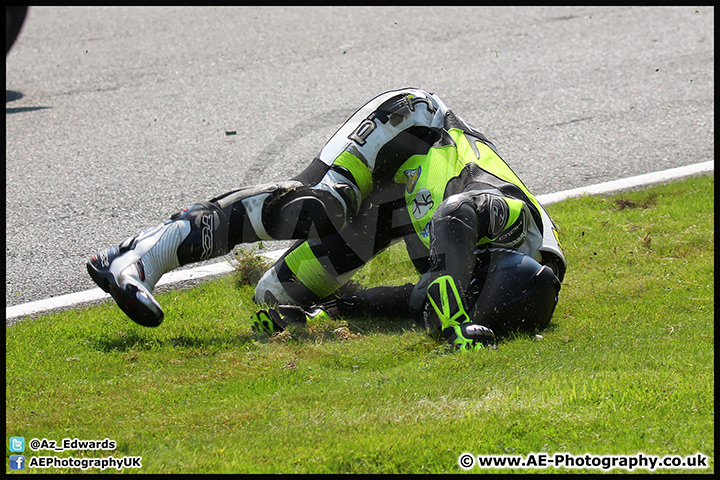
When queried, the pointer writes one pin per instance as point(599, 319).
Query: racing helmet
point(512, 292)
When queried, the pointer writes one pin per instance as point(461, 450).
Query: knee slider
point(270, 290)
point(459, 206)
point(341, 185)
point(547, 288)
point(295, 279)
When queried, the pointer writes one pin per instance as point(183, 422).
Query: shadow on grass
point(136, 339)
point(368, 325)
point(399, 326)
point(335, 331)
point(123, 341)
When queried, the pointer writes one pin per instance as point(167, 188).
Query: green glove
point(267, 321)
point(277, 319)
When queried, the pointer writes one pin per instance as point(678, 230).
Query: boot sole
point(126, 300)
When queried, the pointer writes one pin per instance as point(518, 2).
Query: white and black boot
point(130, 271)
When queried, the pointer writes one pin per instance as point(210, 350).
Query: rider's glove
point(278, 318)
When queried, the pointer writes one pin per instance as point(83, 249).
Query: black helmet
point(512, 292)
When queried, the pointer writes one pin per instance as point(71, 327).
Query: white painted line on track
point(629, 183)
point(74, 299)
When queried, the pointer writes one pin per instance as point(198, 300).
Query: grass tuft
point(249, 264)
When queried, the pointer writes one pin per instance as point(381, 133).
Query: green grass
point(626, 366)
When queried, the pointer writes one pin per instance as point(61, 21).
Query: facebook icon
point(17, 462)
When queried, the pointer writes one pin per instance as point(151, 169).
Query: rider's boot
point(130, 271)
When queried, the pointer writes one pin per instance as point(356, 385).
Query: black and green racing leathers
point(406, 167)
point(403, 167)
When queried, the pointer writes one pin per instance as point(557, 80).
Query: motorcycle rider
point(403, 167)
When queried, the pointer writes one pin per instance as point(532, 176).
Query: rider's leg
point(313, 269)
point(438, 297)
point(205, 230)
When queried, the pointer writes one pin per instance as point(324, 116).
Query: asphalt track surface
point(118, 117)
